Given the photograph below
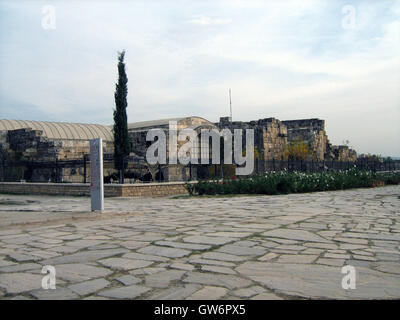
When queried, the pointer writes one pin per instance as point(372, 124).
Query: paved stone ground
point(258, 247)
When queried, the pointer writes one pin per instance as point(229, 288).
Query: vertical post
point(123, 170)
point(84, 168)
point(56, 171)
point(96, 175)
point(2, 170)
point(257, 167)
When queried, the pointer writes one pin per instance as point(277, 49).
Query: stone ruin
point(37, 141)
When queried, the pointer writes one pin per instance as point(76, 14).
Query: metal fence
point(317, 166)
point(77, 170)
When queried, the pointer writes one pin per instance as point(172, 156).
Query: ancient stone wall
point(270, 135)
point(168, 172)
point(344, 153)
point(31, 146)
point(271, 140)
point(110, 190)
point(313, 132)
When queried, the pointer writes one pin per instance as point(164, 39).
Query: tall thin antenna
point(230, 102)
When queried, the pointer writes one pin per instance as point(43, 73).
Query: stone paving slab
point(259, 247)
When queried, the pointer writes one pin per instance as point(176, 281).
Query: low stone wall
point(110, 190)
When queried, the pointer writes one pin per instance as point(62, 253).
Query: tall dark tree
point(121, 138)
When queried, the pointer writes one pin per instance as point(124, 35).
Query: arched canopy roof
point(61, 130)
point(183, 122)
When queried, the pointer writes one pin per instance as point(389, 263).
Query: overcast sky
point(288, 59)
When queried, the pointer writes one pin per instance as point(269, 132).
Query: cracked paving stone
point(128, 280)
point(128, 292)
point(222, 280)
point(269, 242)
point(296, 258)
point(389, 267)
point(176, 293)
point(351, 240)
point(21, 298)
point(162, 279)
point(141, 256)
point(266, 296)
point(20, 257)
point(124, 264)
point(319, 281)
point(87, 287)
point(55, 294)
point(268, 256)
point(85, 256)
point(144, 237)
point(20, 282)
point(134, 244)
point(321, 245)
point(182, 266)
point(248, 292)
point(22, 267)
point(242, 251)
point(84, 243)
point(229, 234)
point(217, 269)
point(294, 234)
point(44, 254)
point(331, 262)
point(71, 237)
point(95, 298)
point(208, 240)
point(223, 256)
point(5, 263)
point(146, 271)
point(290, 247)
point(364, 258)
point(379, 236)
point(208, 293)
point(211, 262)
point(64, 249)
point(165, 251)
point(77, 272)
point(312, 251)
point(336, 256)
point(181, 245)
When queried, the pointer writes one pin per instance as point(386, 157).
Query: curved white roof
point(152, 123)
point(61, 130)
point(164, 122)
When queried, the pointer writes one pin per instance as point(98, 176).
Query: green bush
point(390, 178)
point(294, 182)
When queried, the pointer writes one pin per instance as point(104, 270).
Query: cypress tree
point(121, 138)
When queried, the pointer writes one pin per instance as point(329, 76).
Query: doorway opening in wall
point(159, 176)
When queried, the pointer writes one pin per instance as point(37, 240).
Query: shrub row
point(294, 182)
